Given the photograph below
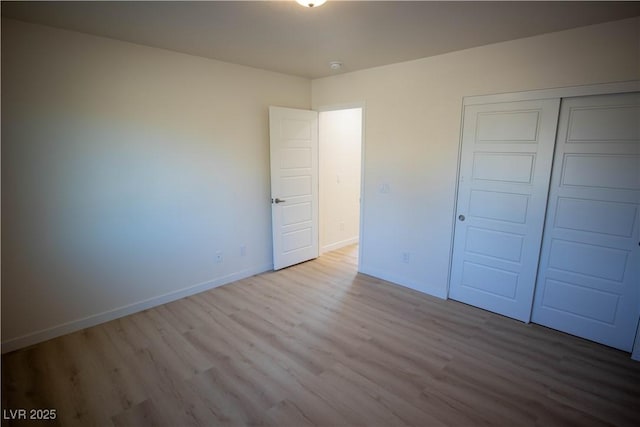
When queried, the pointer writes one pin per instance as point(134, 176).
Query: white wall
point(413, 128)
point(124, 170)
point(340, 142)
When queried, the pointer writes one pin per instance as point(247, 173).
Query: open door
point(294, 185)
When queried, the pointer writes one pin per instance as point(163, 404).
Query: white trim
point(398, 279)
point(362, 178)
point(338, 245)
point(106, 316)
point(561, 92)
point(455, 203)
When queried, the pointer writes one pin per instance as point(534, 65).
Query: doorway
point(340, 171)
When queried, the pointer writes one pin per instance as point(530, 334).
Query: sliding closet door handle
point(461, 217)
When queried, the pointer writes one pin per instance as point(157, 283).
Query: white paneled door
point(507, 150)
point(589, 277)
point(294, 185)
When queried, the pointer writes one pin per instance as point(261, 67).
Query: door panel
point(507, 149)
point(590, 262)
point(294, 185)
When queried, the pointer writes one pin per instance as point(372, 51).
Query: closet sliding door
point(589, 276)
point(505, 164)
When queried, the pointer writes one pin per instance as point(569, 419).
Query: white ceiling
point(285, 37)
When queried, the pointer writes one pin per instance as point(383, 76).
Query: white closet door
point(589, 277)
point(507, 149)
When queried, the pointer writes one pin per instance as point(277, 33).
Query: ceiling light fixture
point(311, 3)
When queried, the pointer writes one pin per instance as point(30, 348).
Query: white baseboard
point(338, 245)
point(403, 281)
point(96, 319)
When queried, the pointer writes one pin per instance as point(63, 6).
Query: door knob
point(461, 217)
point(279, 200)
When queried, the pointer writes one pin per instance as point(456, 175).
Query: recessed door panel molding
point(297, 213)
point(496, 244)
point(298, 240)
point(589, 275)
point(596, 216)
point(507, 149)
point(602, 170)
point(574, 300)
point(294, 130)
point(506, 126)
point(609, 124)
point(296, 158)
point(490, 281)
point(589, 260)
point(294, 185)
point(504, 167)
point(499, 206)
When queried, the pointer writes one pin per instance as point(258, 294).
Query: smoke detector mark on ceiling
point(335, 65)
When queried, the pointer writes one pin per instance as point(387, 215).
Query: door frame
point(348, 106)
point(561, 92)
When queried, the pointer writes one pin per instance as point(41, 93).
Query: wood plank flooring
point(319, 345)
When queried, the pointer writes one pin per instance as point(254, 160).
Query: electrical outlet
point(406, 257)
point(219, 257)
point(342, 226)
point(243, 250)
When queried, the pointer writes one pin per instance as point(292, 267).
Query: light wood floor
point(318, 344)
